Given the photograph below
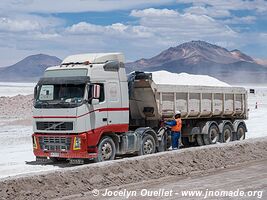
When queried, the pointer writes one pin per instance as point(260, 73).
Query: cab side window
point(102, 92)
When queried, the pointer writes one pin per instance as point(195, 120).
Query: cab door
point(98, 116)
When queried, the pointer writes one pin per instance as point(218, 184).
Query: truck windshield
point(59, 95)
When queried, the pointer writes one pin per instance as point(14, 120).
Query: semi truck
point(88, 108)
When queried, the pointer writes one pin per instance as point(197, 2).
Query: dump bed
point(150, 102)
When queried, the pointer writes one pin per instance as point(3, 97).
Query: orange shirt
point(178, 125)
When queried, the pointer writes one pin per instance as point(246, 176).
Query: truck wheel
point(148, 145)
point(106, 150)
point(213, 135)
point(241, 132)
point(200, 141)
point(227, 134)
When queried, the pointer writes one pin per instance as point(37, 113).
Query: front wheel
point(148, 145)
point(106, 149)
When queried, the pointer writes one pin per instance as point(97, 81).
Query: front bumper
point(61, 146)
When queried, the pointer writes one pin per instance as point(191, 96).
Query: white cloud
point(225, 14)
point(72, 6)
point(119, 27)
point(27, 23)
point(152, 12)
point(116, 30)
point(17, 25)
point(46, 36)
point(84, 28)
point(210, 11)
point(240, 20)
point(257, 5)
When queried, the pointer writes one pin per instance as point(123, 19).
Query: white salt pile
point(168, 78)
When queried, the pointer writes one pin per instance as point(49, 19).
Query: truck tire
point(200, 141)
point(213, 135)
point(227, 134)
point(241, 132)
point(148, 145)
point(106, 149)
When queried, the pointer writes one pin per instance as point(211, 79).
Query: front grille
point(55, 126)
point(54, 143)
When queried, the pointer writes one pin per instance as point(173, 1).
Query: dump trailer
point(88, 108)
point(210, 114)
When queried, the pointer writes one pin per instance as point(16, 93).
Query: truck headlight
point(77, 143)
point(34, 143)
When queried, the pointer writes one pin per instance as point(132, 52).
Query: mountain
point(241, 56)
point(30, 68)
point(199, 57)
point(195, 57)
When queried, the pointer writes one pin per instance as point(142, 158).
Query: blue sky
point(140, 28)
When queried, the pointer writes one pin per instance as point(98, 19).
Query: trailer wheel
point(106, 149)
point(241, 132)
point(227, 134)
point(200, 141)
point(213, 135)
point(148, 145)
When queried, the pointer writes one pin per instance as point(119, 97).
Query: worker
point(176, 125)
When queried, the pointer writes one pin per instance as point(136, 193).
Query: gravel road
point(250, 178)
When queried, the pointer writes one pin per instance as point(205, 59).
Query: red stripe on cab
point(99, 110)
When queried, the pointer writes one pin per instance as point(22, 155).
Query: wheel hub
point(148, 147)
point(106, 151)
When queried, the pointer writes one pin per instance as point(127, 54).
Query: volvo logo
point(53, 127)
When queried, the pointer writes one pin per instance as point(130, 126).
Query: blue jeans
point(175, 139)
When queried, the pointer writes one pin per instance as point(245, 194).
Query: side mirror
point(96, 92)
point(95, 101)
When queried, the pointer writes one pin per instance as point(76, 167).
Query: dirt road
point(250, 179)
